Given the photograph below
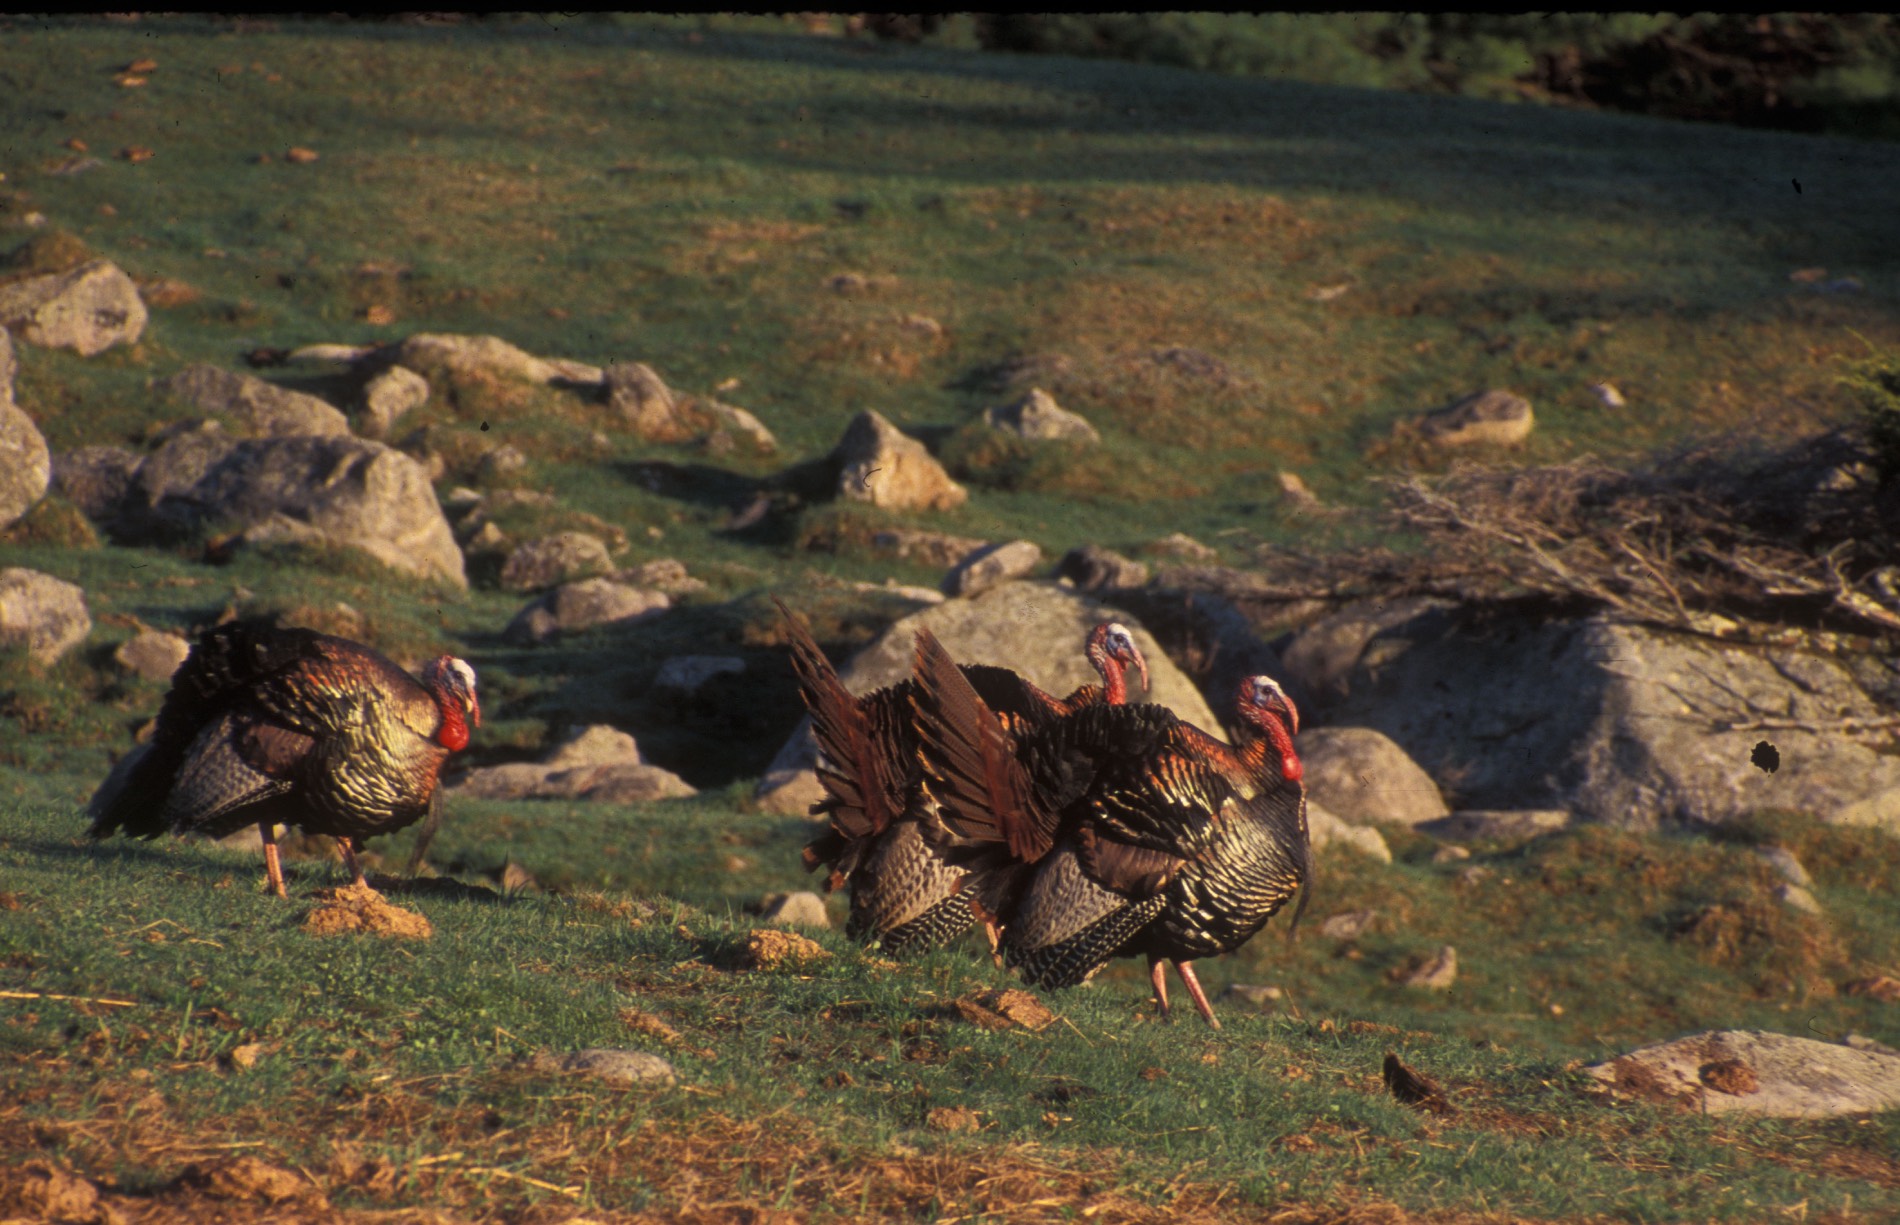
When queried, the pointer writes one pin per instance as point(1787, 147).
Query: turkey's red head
point(452, 682)
point(1113, 651)
point(1263, 704)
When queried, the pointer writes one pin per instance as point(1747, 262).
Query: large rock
point(730, 422)
point(882, 465)
point(563, 557)
point(87, 309)
point(488, 356)
point(1364, 777)
point(96, 479)
point(1039, 418)
point(1035, 629)
point(572, 607)
point(26, 466)
point(1752, 1071)
point(152, 654)
point(641, 398)
point(1621, 724)
point(1485, 418)
point(389, 396)
point(341, 491)
point(45, 615)
point(256, 408)
point(992, 566)
point(9, 366)
point(1321, 656)
point(1324, 830)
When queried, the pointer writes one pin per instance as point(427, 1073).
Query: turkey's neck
point(453, 734)
point(1114, 680)
point(1270, 736)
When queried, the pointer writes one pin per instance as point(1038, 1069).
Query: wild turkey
point(271, 726)
point(904, 896)
point(1116, 831)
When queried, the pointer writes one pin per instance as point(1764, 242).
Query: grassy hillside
point(1228, 277)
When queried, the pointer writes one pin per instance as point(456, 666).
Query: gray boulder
point(338, 490)
point(26, 466)
point(488, 356)
point(96, 479)
point(1325, 829)
point(882, 465)
point(87, 309)
point(255, 408)
point(1321, 656)
point(1623, 725)
point(389, 396)
point(1039, 418)
point(688, 673)
point(598, 763)
point(802, 909)
point(640, 398)
point(572, 607)
point(44, 615)
point(1036, 629)
point(991, 567)
point(1364, 777)
point(1752, 1071)
point(1485, 418)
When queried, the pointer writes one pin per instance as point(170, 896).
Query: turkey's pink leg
point(1186, 970)
point(349, 861)
point(1157, 974)
point(273, 866)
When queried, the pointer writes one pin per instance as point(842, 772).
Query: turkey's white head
point(1112, 641)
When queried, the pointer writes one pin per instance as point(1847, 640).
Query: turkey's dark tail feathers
point(858, 777)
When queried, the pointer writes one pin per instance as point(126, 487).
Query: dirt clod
point(953, 1118)
point(249, 1178)
point(1732, 1076)
point(769, 948)
point(359, 908)
point(1000, 1009)
point(55, 1195)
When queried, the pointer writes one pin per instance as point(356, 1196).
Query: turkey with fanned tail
point(275, 726)
point(1115, 831)
point(881, 839)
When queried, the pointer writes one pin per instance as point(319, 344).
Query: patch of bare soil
point(768, 948)
point(359, 908)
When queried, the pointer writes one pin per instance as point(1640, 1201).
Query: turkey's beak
point(1282, 705)
point(474, 711)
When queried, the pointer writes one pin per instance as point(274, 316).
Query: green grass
point(684, 197)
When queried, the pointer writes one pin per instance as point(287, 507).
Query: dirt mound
point(769, 949)
point(51, 1194)
point(249, 1178)
point(1001, 1009)
point(359, 908)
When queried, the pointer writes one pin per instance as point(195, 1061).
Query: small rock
point(486, 356)
point(789, 794)
point(1607, 395)
point(1183, 546)
point(1297, 497)
point(1882, 987)
point(152, 654)
point(1450, 854)
point(1325, 829)
point(641, 398)
point(880, 464)
point(500, 462)
point(245, 1057)
point(1797, 898)
point(1039, 418)
point(992, 567)
point(1783, 861)
point(563, 557)
point(686, 673)
point(87, 309)
point(736, 422)
point(1002, 1008)
point(1438, 973)
point(622, 1067)
point(596, 745)
point(802, 909)
point(45, 615)
point(1348, 926)
point(1508, 825)
point(664, 575)
point(920, 595)
point(1250, 996)
point(927, 548)
point(257, 409)
point(388, 396)
point(1326, 293)
point(1094, 568)
point(1861, 1042)
point(330, 358)
point(1495, 418)
point(573, 607)
point(1808, 276)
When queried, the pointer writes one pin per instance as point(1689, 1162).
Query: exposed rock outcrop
point(87, 309)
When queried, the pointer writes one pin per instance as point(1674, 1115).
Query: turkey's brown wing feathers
point(984, 791)
point(859, 780)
